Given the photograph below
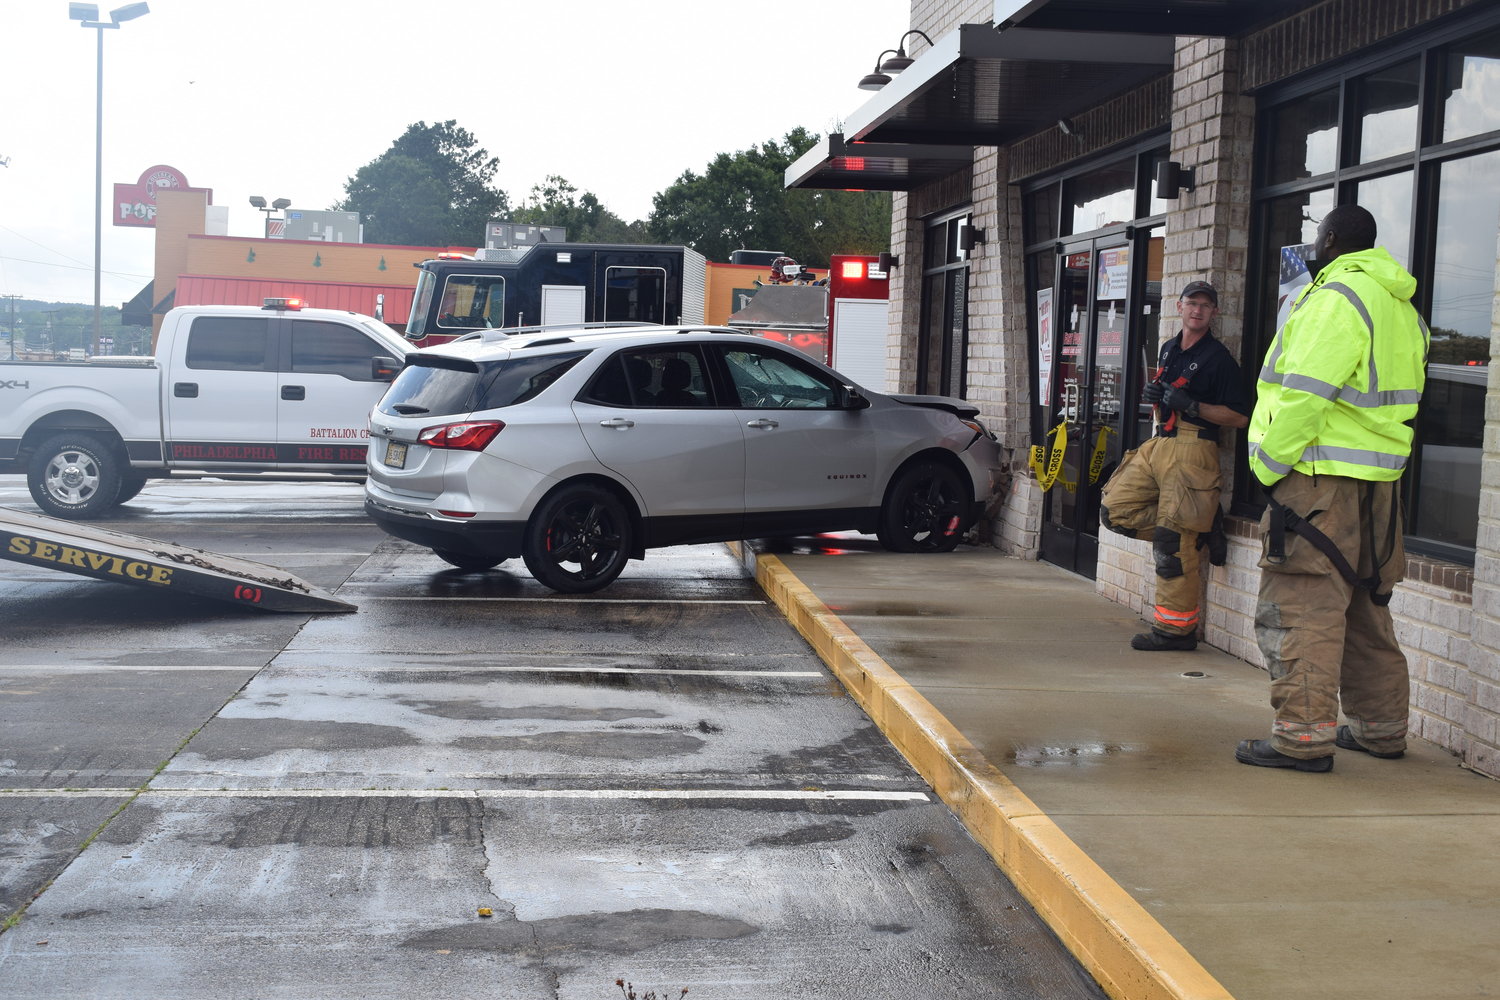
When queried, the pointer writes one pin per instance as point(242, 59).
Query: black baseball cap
point(1200, 288)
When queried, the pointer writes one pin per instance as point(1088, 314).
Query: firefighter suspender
point(1283, 517)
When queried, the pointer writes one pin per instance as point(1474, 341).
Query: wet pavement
point(1104, 781)
point(660, 783)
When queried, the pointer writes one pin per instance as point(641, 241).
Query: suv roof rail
point(568, 333)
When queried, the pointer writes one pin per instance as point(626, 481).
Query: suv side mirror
point(384, 369)
point(851, 398)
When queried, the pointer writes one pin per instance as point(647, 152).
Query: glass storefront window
point(1473, 70)
point(1040, 216)
point(1389, 200)
point(1303, 137)
point(1102, 197)
point(1463, 274)
point(1450, 438)
point(1155, 205)
point(1387, 107)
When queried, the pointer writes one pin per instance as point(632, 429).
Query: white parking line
point(765, 794)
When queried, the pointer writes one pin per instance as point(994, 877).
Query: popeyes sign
point(135, 204)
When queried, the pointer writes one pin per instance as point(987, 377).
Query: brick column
point(1481, 749)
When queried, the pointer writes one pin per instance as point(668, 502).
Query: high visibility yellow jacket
point(1343, 376)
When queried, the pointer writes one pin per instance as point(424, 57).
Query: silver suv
point(579, 449)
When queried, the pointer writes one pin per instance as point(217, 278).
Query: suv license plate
point(395, 454)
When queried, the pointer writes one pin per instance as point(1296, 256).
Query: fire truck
point(556, 283)
point(841, 319)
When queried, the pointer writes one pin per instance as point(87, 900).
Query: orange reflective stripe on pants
point(1176, 621)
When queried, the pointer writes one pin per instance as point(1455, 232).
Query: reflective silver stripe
point(1371, 400)
point(1353, 456)
point(1268, 461)
point(1330, 453)
point(1306, 383)
point(1354, 300)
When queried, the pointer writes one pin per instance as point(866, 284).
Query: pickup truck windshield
point(438, 385)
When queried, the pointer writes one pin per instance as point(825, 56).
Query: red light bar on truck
point(285, 303)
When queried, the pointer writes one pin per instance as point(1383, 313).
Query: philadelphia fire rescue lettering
point(99, 562)
point(225, 452)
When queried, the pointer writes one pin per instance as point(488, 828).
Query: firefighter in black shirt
point(1167, 490)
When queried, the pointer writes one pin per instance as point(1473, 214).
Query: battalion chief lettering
point(99, 562)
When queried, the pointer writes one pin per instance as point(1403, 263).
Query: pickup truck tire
point(131, 484)
point(473, 561)
point(75, 476)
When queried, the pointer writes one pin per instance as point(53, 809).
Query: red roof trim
point(209, 290)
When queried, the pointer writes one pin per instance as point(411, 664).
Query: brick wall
point(1481, 707)
point(1207, 235)
point(1333, 29)
point(1447, 618)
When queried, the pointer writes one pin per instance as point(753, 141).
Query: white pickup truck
point(241, 389)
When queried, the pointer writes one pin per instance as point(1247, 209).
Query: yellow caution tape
point(1047, 462)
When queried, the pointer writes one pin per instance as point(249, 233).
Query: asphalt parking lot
point(658, 783)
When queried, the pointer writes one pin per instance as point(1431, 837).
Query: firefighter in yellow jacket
point(1329, 439)
point(1167, 490)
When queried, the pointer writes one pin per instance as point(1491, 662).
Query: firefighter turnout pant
point(1325, 640)
point(1167, 492)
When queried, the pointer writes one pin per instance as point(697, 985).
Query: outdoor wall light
point(1172, 178)
point(897, 62)
point(969, 237)
point(901, 60)
point(875, 79)
point(886, 261)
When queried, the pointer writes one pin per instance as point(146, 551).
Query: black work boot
point(1262, 754)
point(1155, 641)
point(1345, 738)
point(1218, 541)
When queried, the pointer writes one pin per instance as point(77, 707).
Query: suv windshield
point(434, 384)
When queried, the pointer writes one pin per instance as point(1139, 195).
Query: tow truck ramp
point(70, 547)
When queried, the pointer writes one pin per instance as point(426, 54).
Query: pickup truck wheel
point(75, 476)
point(923, 510)
point(578, 540)
point(131, 484)
point(473, 561)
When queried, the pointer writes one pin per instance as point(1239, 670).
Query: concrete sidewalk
point(1104, 783)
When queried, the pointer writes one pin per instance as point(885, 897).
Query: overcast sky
point(288, 98)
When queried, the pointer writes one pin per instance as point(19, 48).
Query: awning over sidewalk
point(987, 85)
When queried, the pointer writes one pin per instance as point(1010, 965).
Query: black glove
point(1179, 400)
point(1153, 392)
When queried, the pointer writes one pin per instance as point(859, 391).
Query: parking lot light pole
point(87, 14)
point(279, 205)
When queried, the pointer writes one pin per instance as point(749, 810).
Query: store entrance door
point(1099, 282)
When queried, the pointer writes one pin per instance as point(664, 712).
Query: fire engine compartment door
point(859, 337)
point(563, 304)
point(52, 543)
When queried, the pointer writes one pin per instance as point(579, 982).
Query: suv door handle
point(294, 392)
point(185, 390)
point(619, 423)
point(763, 423)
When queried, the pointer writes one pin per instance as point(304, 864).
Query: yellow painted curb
point(1117, 941)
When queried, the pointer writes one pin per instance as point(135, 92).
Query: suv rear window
point(433, 384)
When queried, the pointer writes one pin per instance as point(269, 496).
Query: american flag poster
point(1293, 276)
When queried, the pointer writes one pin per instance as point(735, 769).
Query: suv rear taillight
point(471, 435)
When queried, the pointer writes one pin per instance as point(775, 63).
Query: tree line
point(435, 187)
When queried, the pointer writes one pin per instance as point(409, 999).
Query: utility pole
point(12, 324)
